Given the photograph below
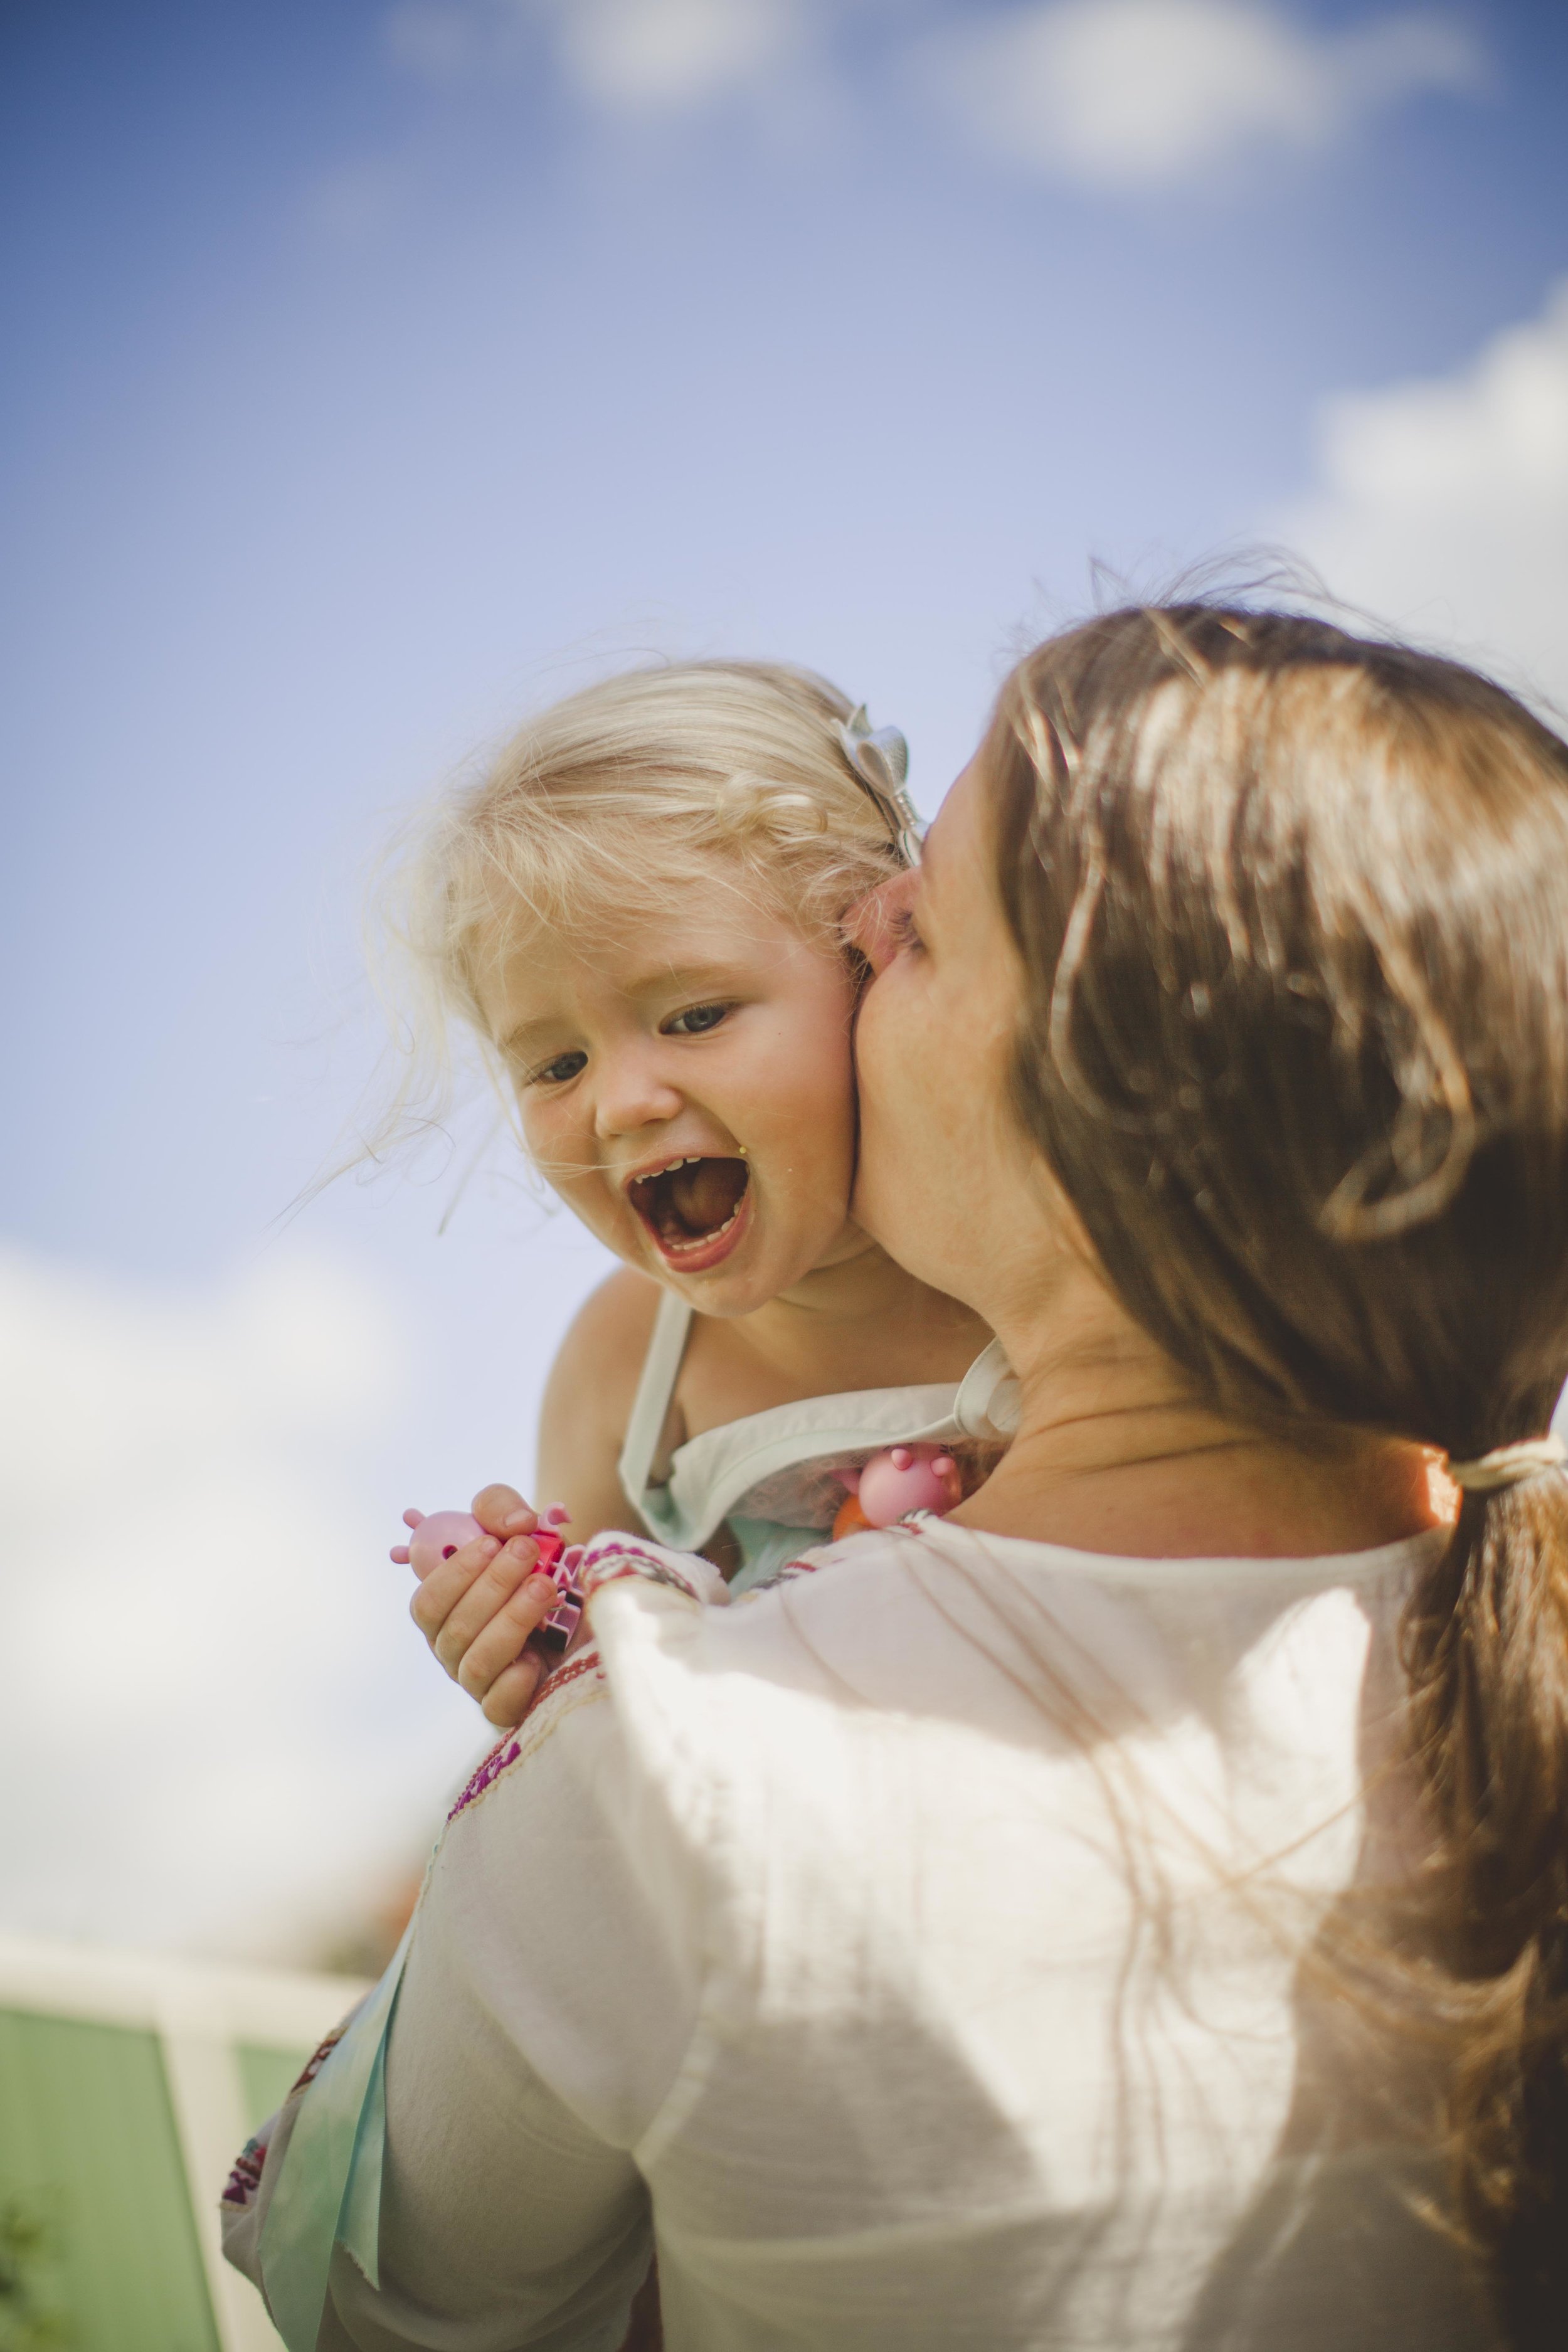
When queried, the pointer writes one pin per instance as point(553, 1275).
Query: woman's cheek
point(875, 1050)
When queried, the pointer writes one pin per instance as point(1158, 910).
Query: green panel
point(267, 2077)
point(87, 2135)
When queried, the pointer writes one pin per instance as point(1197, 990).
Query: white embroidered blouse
point(907, 1951)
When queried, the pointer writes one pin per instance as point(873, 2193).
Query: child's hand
point(478, 1609)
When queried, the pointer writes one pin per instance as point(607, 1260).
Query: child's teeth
point(703, 1239)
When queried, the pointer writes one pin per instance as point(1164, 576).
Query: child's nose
point(870, 926)
point(633, 1092)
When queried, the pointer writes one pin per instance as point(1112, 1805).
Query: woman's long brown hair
point(1293, 907)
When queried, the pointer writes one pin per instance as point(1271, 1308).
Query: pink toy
point(438, 1536)
point(899, 1480)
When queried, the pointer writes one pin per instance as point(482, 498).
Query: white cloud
point(630, 56)
point(653, 54)
point(204, 1732)
point(1443, 505)
point(1139, 94)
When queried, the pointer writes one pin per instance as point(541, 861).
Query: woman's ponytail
point(1487, 1638)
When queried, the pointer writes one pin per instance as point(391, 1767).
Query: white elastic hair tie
point(1507, 1465)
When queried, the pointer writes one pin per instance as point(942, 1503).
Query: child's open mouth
point(693, 1207)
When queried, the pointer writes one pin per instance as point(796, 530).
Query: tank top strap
point(661, 1367)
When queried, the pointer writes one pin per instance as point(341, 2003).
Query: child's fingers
point(500, 1643)
point(462, 1594)
point(503, 1510)
point(448, 1581)
point(493, 1590)
point(510, 1694)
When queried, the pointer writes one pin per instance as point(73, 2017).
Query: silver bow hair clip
point(880, 759)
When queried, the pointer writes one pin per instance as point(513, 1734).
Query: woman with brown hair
point(1131, 1912)
point(1259, 934)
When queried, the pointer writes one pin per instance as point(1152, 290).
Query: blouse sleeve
point(551, 1996)
point(503, 2210)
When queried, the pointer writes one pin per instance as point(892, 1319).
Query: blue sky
point(374, 371)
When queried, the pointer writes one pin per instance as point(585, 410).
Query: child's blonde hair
point(607, 802)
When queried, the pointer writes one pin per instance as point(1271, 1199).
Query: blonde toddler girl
point(638, 912)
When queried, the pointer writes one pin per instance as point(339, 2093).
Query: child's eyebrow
point(518, 1040)
point(684, 979)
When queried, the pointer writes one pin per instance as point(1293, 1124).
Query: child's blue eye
point(699, 1017)
point(556, 1073)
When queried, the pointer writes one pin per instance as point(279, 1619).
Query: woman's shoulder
point(922, 1630)
point(580, 1681)
point(634, 1702)
point(704, 1685)
point(937, 1625)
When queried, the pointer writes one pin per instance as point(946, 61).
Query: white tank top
point(773, 1470)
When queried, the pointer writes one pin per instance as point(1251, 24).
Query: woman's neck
point(1113, 1455)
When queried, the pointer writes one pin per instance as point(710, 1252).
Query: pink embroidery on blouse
point(512, 1745)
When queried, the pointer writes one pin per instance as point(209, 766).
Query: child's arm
point(478, 1609)
point(588, 1402)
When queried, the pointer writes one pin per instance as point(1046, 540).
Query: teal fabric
point(329, 2186)
point(766, 1547)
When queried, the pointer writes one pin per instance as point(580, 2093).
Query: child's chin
point(728, 1289)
